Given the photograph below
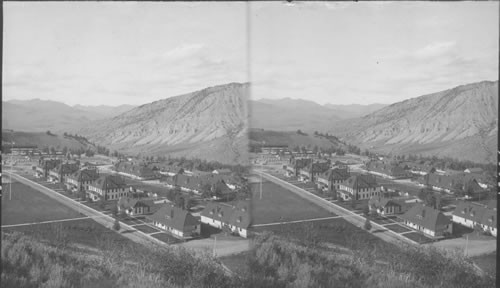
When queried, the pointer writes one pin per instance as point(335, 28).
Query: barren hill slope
point(211, 122)
point(459, 122)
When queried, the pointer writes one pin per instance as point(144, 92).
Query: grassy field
point(28, 205)
point(146, 229)
point(166, 238)
point(397, 228)
point(335, 231)
point(418, 237)
point(278, 204)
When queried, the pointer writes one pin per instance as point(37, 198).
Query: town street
point(355, 219)
point(222, 248)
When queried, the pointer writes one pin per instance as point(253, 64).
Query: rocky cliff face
point(464, 114)
point(212, 115)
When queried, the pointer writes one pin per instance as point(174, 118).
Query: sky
point(121, 53)
point(93, 53)
point(358, 52)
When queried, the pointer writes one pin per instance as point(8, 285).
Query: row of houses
point(471, 214)
point(173, 175)
point(333, 177)
point(451, 183)
point(180, 223)
point(135, 170)
point(55, 170)
point(433, 222)
point(386, 170)
point(198, 184)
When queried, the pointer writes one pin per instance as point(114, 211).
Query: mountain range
point(292, 114)
point(209, 124)
point(461, 122)
point(41, 115)
point(212, 123)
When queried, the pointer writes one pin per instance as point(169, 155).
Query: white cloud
point(435, 49)
point(183, 51)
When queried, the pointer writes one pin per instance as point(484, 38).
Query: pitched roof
point(361, 181)
point(84, 175)
point(451, 182)
point(236, 214)
point(48, 163)
point(299, 163)
point(334, 174)
point(476, 212)
point(492, 204)
point(174, 217)
point(198, 182)
point(426, 217)
point(222, 171)
point(127, 202)
point(134, 169)
point(489, 218)
point(385, 168)
point(474, 170)
point(109, 182)
point(66, 168)
point(319, 166)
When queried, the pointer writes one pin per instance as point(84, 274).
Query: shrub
point(368, 224)
point(116, 225)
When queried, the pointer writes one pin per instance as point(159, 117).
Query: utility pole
point(261, 182)
point(215, 244)
point(11, 169)
point(466, 244)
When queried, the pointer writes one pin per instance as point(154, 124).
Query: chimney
point(172, 213)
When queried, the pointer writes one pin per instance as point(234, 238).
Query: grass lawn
point(29, 205)
point(279, 204)
point(397, 228)
point(417, 237)
point(487, 262)
point(129, 221)
point(358, 204)
point(336, 231)
point(167, 238)
point(146, 229)
point(381, 221)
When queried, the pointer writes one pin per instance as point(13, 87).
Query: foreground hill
point(210, 123)
point(459, 123)
point(41, 115)
point(29, 262)
point(272, 262)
